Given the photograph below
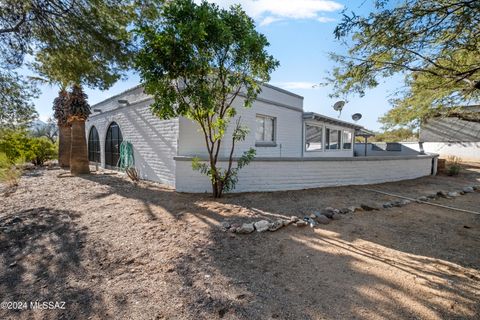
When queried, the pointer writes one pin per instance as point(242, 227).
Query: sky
point(300, 33)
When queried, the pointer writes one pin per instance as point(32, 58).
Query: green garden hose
point(126, 159)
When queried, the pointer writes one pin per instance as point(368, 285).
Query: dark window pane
point(112, 145)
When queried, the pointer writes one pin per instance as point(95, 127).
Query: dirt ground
point(113, 250)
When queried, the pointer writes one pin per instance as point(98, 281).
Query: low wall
point(277, 174)
point(467, 151)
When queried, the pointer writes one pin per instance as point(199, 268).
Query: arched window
point(112, 145)
point(93, 145)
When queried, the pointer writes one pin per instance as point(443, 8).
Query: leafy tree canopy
point(434, 44)
point(196, 60)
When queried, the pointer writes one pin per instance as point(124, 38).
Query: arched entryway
point(93, 145)
point(112, 145)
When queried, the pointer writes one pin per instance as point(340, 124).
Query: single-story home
point(294, 149)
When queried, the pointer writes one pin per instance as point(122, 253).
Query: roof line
point(117, 95)
point(321, 116)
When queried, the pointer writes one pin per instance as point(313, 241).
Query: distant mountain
point(36, 125)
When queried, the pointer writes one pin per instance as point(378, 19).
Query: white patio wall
point(294, 174)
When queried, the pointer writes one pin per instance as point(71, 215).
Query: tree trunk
point(64, 137)
point(78, 153)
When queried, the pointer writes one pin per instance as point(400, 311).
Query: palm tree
point(60, 107)
point(79, 110)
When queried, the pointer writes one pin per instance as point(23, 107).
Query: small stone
point(225, 225)
point(397, 203)
point(442, 194)
point(16, 219)
point(301, 223)
point(476, 188)
point(312, 216)
point(294, 218)
point(344, 210)
point(262, 225)
point(422, 198)
point(432, 196)
point(328, 212)
point(336, 216)
point(369, 207)
point(453, 194)
point(276, 225)
point(13, 264)
point(352, 209)
point(468, 190)
point(405, 202)
point(286, 222)
point(322, 219)
point(387, 205)
point(246, 228)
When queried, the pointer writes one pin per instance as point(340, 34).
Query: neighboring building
point(295, 149)
point(455, 135)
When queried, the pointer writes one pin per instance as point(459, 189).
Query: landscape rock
point(294, 218)
point(369, 207)
point(476, 188)
point(337, 216)
point(453, 194)
point(387, 205)
point(274, 226)
point(323, 219)
point(405, 202)
point(225, 225)
point(328, 211)
point(442, 194)
point(345, 210)
point(246, 228)
point(468, 190)
point(286, 222)
point(301, 223)
point(423, 198)
point(310, 221)
point(432, 196)
point(262, 225)
point(352, 209)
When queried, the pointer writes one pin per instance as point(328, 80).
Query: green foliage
point(395, 135)
point(196, 60)
point(453, 165)
point(16, 94)
point(435, 45)
point(40, 150)
point(77, 105)
point(18, 146)
point(9, 173)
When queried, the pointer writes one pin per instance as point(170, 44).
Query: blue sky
point(300, 34)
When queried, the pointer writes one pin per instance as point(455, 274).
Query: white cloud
point(296, 85)
point(268, 11)
point(325, 19)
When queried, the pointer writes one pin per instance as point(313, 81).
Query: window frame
point(351, 139)
point(265, 143)
point(327, 143)
point(322, 126)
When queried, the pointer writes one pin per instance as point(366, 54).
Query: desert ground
point(112, 249)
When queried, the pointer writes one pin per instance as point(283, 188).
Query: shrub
point(40, 150)
point(9, 173)
point(453, 165)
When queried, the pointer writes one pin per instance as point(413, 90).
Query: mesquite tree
point(196, 60)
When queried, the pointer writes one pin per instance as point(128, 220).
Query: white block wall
point(154, 141)
point(304, 174)
point(467, 151)
point(289, 140)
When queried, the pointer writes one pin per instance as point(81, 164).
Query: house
point(455, 135)
point(295, 149)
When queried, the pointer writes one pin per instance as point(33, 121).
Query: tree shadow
point(353, 268)
point(42, 250)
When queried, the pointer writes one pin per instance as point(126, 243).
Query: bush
point(9, 173)
point(40, 150)
point(18, 146)
point(453, 165)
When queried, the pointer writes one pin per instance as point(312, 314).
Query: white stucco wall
point(271, 103)
point(295, 174)
point(154, 141)
point(467, 151)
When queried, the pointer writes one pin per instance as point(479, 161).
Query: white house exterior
point(294, 149)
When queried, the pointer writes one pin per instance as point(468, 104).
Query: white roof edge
point(312, 115)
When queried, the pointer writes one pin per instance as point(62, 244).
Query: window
point(313, 137)
point(265, 133)
point(93, 145)
point(112, 145)
point(332, 139)
point(347, 140)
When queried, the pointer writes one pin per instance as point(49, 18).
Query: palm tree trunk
point(78, 153)
point(64, 137)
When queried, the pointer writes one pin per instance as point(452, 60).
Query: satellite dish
point(356, 116)
point(338, 106)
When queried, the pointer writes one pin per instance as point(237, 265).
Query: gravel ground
point(114, 250)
